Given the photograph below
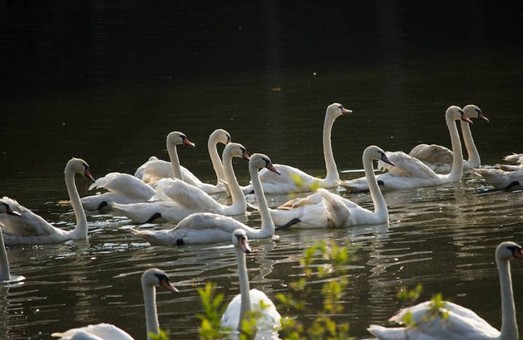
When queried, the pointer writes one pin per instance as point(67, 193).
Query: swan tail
point(336, 211)
point(396, 333)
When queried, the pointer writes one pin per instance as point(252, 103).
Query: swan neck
point(330, 163)
point(217, 165)
point(234, 187)
point(81, 220)
point(457, 163)
point(175, 161)
point(509, 327)
point(5, 273)
point(151, 315)
point(267, 224)
point(380, 207)
point(472, 150)
point(244, 286)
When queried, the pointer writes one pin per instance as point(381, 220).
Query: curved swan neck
point(472, 151)
point(330, 164)
point(380, 207)
point(267, 225)
point(80, 229)
point(175, 161)
point(212, 146)
point(151, 315)
point(457, 163)
point(5, 273)
point(509, 327)
point(244, 286)
point(234, 187)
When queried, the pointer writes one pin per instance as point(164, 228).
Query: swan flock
point(166, 191)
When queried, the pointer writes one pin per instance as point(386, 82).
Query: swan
point(30, 228)
point(154, 169)
point(462, 323)
point(200, 228)
point(501, 179)
point(122, 188)
point(178, 199)
point(409, 172)
point(248, 299)
point(5, 272)
point(325, 209)
point(295, 180)
point(515, 160)
point(439, 158)
point(151, 279)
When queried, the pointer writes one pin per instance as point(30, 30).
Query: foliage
point(163, 335)
point(335, 283)
point(437, 306)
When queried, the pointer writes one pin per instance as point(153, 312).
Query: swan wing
point(407, 166)
point(25, 225)
point(290, 179)
point(336, 209)
point(501, 179)
point(515, 158)
point(433, 153)
point(100, 331)
point(124, 184)
point(187, 195)
point(154, 169)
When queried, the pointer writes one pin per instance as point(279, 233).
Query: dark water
point(106, 81)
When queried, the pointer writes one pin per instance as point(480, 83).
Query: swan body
point(461, 323)
point(249, 299)
point(154, 169)
point(325, 209)
point(515, 160)
point(5, 272)
point(501, 179)
point(151, 279)
point(122, 188)
point(30, 228)
point(409, 172)
point(292, 179)
point(202, 228)
point(178, 199)
point(439, 158)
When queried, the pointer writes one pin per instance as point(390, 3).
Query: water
point(107, 82)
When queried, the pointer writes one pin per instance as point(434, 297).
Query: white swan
point(295, 180)
point(461, 323)
point(30, 228)
point(151, 278)
point(439, 158)
point(122, 188)
point(409, 172)
point(179, 199)
point(155, 169)
point(249, 299)
point(202, 228)
point(515, 160)
point(501, 179)
point(5, 272)
point(325, 209)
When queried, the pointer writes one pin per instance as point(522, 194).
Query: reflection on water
point(106, 81)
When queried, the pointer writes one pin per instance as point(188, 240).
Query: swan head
point(220, 136)
point(508, 250)
point(240, 241)
point(79, 166)
point(236, 150)
point(376, 153)
point(261, 161)
point(472, 111)
point(6, 209)
point(178, 138)
point(456, 113)
point(337, 110)
point(157, 278)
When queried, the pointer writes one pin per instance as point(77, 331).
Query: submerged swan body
point(201, 228)
point(325, 209)
point(461, 323)
point(409, 172)
point(248, 300)
point(439, 158)
point(30, 228)
point(178, 199)
point(292, 179)
point(151, 279)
